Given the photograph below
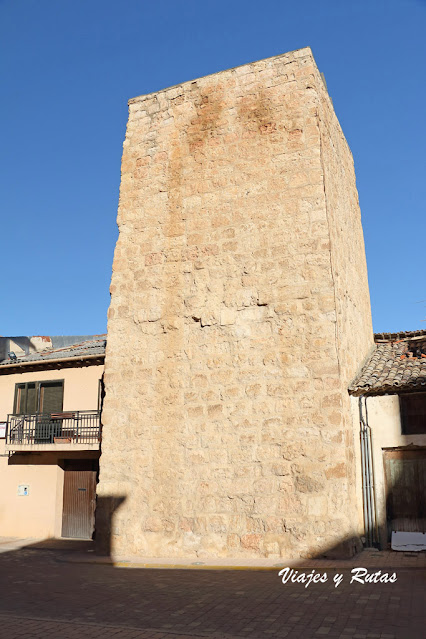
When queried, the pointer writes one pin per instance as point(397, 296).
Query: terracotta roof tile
point(398, 363)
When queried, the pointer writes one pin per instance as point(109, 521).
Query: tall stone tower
point(239, 314)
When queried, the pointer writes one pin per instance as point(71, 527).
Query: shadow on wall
point(406, 507)
point(106, 508)
point(405, 510)
point(9, 344)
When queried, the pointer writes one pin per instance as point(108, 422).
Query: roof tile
point(82, 349)
point(397, 364)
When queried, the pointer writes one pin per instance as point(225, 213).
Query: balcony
point(74, 430)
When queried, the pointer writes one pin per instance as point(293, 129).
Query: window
point(413, 413)
point(25, 399)
point(39, 397)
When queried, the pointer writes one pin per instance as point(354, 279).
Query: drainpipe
point(363, 472)
point(367, 469)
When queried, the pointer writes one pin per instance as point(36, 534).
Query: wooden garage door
point(78, 516)
point(405, 472)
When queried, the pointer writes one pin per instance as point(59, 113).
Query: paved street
point(43, 594)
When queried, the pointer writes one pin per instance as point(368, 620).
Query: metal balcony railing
point(77, 427)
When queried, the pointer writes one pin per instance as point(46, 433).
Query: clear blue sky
point(68, 69)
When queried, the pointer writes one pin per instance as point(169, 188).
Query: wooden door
point(405, 473)
point(78, 516)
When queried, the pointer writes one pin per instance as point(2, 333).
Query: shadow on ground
point(45, 591)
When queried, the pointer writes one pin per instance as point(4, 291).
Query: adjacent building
point(389, 405)
point(50, 400)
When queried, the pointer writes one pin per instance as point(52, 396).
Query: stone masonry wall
point(239, 311)
point(354, 330)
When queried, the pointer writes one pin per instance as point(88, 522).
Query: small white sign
point(23, 490)
point(3, 429)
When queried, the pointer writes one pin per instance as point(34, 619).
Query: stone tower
point(239, 314)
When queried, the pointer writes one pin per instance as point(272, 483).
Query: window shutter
point(51, 397)
point(413, 413)
point(31, 406)
point(19, 399)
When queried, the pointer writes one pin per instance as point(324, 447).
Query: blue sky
point(68, 69)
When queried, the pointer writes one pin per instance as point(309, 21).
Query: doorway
point(405, 475)
point(79, 498)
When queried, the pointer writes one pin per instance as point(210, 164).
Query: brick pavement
point(44, 596)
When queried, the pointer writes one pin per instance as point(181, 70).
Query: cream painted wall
point(80, 387)
point(385, 422)
point(40, 513)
